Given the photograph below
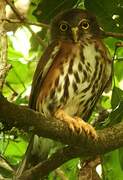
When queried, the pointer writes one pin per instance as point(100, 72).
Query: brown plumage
point(73, 72)
point(70, 77)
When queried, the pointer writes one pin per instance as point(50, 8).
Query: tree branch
point(27, 119)
point(79, 145)
point(4, 67)
point(56, 160)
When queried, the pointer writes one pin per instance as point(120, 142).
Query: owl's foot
point(76, 124)
point(87, 128)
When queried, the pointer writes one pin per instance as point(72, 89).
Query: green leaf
point(118, 68)
point(105, 10)
point(117, 106)
point(15, 149)
point(46, 10)
point(117, 114)
point(121, 157)
point(112, 169)
point(117, 97)
point(69, 170)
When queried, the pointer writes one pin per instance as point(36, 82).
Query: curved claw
point(76, 124)
point(87, 128)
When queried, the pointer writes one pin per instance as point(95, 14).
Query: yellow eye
point(63, 27)
point(84, 24)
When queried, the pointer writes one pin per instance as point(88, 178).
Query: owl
point(70, 77)
point(73, 71)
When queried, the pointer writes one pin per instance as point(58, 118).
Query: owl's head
point(74, 25)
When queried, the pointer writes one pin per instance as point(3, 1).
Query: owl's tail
point(38, 150)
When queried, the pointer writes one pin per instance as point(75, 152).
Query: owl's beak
point(75, 33)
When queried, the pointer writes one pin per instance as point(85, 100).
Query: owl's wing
point(44, 63)
point(46, 60)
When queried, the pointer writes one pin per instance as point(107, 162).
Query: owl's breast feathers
point(70, 76)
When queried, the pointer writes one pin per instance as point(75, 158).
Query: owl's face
point(74, 25)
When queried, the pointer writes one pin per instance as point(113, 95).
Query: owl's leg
point(76, 124)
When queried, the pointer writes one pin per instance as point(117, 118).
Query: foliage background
point(23, 53)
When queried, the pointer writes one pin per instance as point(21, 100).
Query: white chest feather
point(80, 82)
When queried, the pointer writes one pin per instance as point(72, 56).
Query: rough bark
point(79, 145)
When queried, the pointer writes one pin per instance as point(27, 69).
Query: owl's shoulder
point(37, 78)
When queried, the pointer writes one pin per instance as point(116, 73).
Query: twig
point(101, 118)
point(112, 34)
point(4, 68)
point(88, 169)
point(27, 22)
point(9, 86)
point(119, 59)
point(23, 20)
point(36, 36)
point(5, 164)
point(19, 16)
point(119, 44)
